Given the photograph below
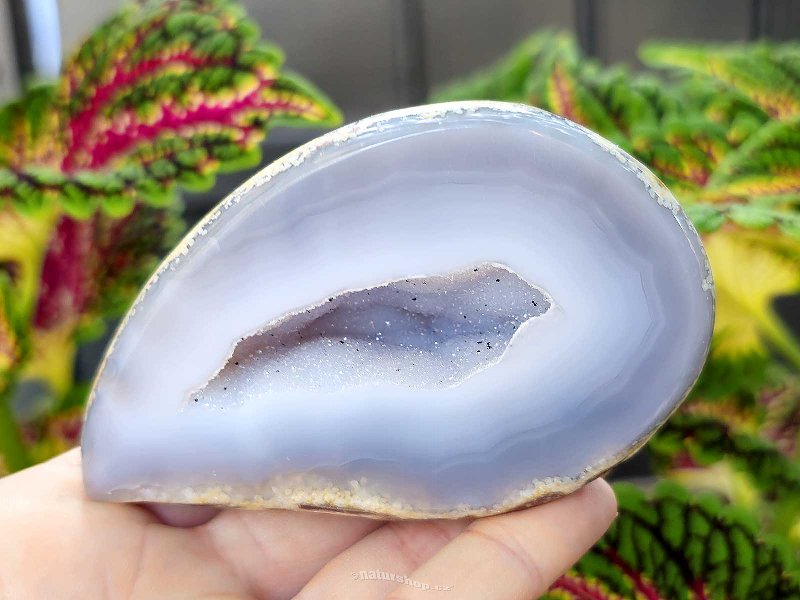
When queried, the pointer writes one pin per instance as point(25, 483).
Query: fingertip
point(182, 515)
point(601, 498)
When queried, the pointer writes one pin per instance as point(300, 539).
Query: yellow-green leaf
point(749, 273)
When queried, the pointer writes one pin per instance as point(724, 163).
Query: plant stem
point(12, 450)
point(781, 337)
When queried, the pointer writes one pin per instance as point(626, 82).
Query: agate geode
point(450, 310)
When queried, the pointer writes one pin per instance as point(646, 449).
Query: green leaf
point(236, 160)
point(137, 241)
point(79, 207)
point(30, 131)
point(760, 72)
point(681, 132)
point(13, 346)
point(708, 440)
point(672, 545)
point(509, 78)
point(749, 272)
point(706, 217)
point(11, 330)
point(766, 165)
point(744, 376)
point(160, 74)
point(80, 194)
point(751, 216)
point(118, 205)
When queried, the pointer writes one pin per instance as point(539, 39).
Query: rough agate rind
point(450, 310)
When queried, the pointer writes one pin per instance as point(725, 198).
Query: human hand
point(56, 543)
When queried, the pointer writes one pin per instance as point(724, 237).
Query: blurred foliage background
point(168, 94)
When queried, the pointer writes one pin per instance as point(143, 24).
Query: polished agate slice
point(458, 309)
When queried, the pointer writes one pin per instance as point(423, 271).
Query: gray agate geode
point(449, 310)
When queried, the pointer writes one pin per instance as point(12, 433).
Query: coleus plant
point(672, 546)
point(720, 124)
point(162, 97)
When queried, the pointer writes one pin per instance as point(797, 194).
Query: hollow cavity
point(421, 332)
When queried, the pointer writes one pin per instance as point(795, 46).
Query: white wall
point(8, 71)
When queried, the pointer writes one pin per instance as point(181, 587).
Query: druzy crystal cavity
point(450, 310)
